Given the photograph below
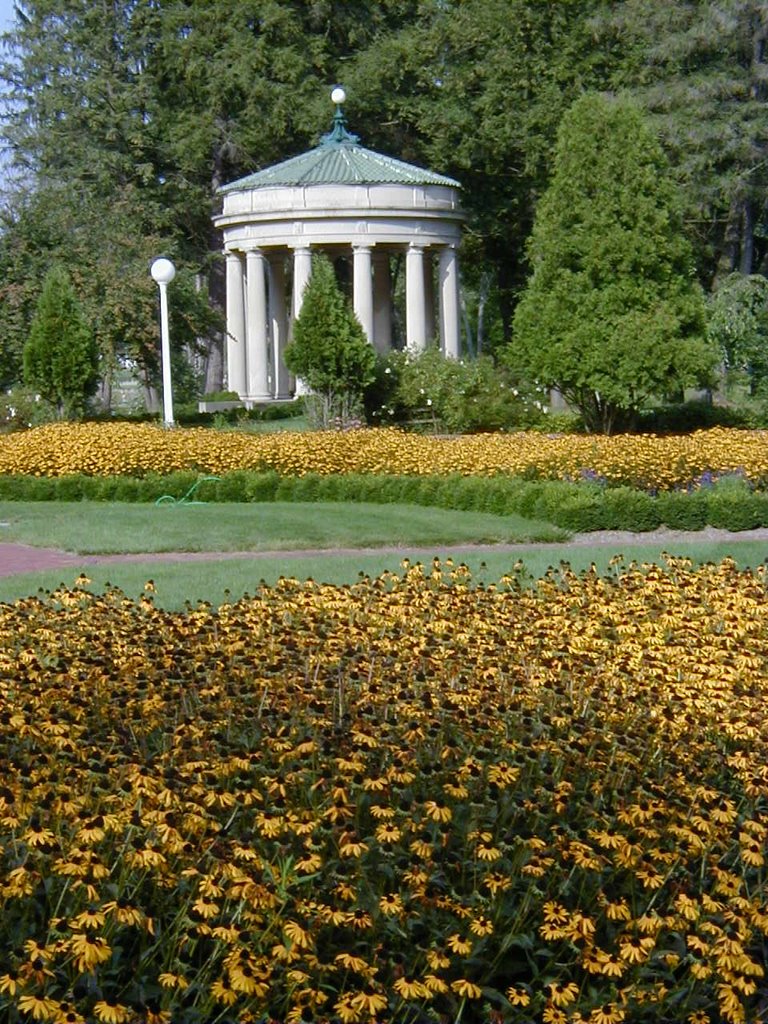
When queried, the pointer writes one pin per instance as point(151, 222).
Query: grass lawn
point(217, 581)
point(106, 528)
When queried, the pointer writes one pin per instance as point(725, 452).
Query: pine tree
point(60, 356)
point(612, 314)
point(329, 350)
point(700, 70)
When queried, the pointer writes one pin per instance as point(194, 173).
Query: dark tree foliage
point(476, 89)
point(701, 70)
point(61, 360)
point(123, 117)
point(612, 314)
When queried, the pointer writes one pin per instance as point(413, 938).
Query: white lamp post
point(163, 271)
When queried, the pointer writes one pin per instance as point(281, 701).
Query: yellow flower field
point(637, 460)
point(409, 799)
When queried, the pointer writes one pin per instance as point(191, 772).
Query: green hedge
point(580, 507)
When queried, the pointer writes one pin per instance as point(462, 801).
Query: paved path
point(21, 558)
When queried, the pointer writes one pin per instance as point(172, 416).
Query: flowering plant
point(408, 799)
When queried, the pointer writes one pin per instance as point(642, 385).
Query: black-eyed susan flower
point(459, 945)
point(169, 980)
point(369, 1001)
point(88, 950)
point(391, 904)
point(223, 993)
point(123, 912)
point(608, 1013)
point(562, 995)
point(409, 987)
point(345, 1009)
point(91, 917)
point(39, 1007)
point(481, 925)
point(518, 996)
point(466, 989)
point(67, 1014)
point(11, 982)
point(552, 1014)
point(109, 1012)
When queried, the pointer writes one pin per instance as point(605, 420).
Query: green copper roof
point(339, 160)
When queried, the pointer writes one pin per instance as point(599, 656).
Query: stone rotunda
point(341, 199)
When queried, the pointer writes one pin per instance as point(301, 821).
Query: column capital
point(362, 247)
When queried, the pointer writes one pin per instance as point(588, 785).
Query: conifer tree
point(612, 314)
point(60, 356)
point(329, 350)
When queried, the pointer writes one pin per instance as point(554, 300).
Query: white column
point(236, 380)
point(415, 318)
point(256, 326)
point(279, 322)
point(362, 288)
point(429, 298)
point(302, 270)
point(382, 303)
point(450, 337)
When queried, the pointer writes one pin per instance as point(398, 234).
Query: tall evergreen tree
point(60, 357)
point(136, 111)
point(477, 89)
point(329, 350)
point(701, 71)
point(612, 314)
point(82, 126)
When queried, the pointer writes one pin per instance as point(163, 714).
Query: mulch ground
point(22, 558)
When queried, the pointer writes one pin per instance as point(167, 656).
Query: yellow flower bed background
point(407, 797)
point(129, 449)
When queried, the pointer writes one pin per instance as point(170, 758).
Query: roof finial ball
point(338, 133)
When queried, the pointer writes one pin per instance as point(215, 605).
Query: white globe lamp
point(163, 272)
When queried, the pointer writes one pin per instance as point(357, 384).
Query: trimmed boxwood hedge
point(579, 507)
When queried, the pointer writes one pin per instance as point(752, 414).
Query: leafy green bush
point(21, 408)
point(680, 510)
point(220, 396)
point(733, 511)
point(582, 506)
point(612, 313)
point(629, 509)
point(432, 393)
point(684, 417)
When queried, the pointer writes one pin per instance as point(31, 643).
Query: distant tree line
point(122, 118)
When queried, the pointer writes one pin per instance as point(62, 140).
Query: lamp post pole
point(163, 272)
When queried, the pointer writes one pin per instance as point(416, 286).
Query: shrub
point(329, 350)
point(61, 357)
point(612, 314)
point(629, 509)
point(431, 393)
point(680, 510)
point(734, 511)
